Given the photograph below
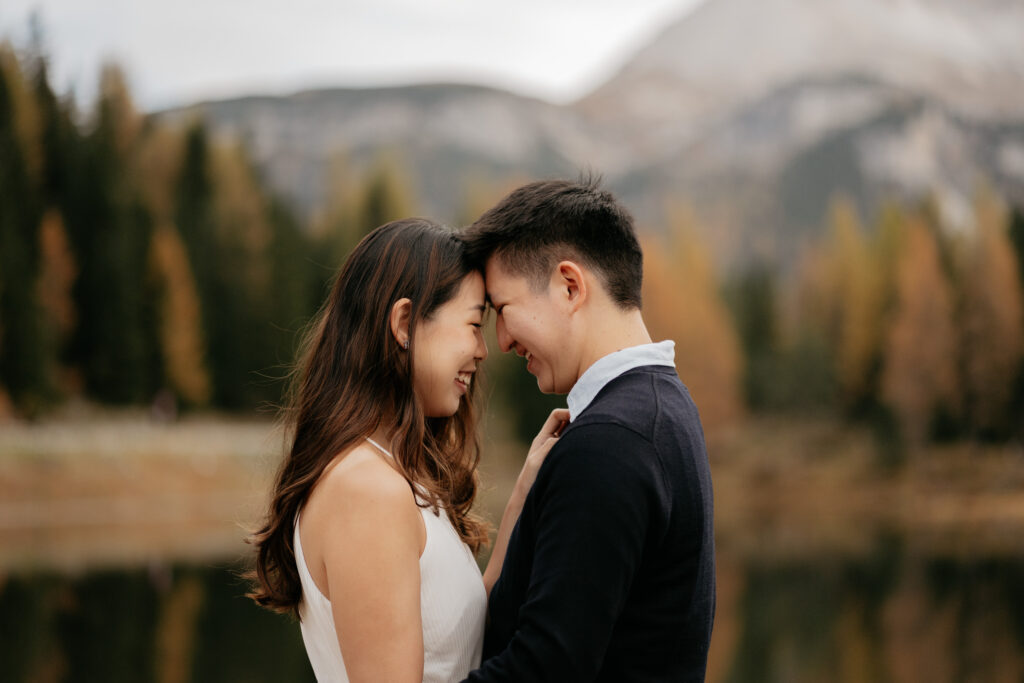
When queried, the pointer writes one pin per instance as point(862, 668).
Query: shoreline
point(120, 489)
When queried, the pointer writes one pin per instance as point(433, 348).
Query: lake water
point(119, 547)
point(158, 623)
point(888, 614)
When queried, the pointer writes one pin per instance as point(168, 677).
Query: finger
point(541, 443)
point(557, 416)
point(548, 444)
point(541, 449)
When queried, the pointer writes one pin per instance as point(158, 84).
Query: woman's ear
point(401, 311)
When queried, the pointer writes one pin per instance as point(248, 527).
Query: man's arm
point(593, 511)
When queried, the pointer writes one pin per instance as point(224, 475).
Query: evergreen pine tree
point(22, 352)
point(752, 299)
point(116, 340)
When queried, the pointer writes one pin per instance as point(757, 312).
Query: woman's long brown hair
point(353, 378)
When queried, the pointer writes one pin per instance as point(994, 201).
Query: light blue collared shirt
point(611, 366)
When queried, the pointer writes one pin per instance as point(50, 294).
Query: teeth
point(529, 356)
point(465, 378)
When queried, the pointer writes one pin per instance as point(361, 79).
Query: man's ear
point(571, 282)
point(401, 311)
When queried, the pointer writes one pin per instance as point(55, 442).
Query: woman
point(369, 539)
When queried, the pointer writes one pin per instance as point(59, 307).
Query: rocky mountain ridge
point(755, 112)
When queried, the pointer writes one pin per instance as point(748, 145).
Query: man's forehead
point(495, 267)
point(491, 294)
point(498, 278)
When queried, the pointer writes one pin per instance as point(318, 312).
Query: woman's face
point(447, 348)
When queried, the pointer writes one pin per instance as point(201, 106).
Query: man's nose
point(504, 338)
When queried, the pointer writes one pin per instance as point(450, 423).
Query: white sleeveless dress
point(453, 606)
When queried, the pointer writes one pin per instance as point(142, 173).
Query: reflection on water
point(158, 624)
point(894, 614)
point(829, 569)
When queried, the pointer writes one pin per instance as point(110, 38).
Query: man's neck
point(613, 332)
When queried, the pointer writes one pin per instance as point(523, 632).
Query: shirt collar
point(611, 366)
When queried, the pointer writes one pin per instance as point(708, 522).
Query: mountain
point(730, 53)
point(764, 175)
point(755, 112)
point(446, 135)
point(759, 111)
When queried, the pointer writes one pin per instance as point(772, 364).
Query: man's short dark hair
point(545, 222)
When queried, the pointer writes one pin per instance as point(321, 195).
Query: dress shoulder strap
point(381, 448)
point(419, 491)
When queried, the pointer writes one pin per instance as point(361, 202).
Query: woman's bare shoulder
point(359, 494)
point(360, 481)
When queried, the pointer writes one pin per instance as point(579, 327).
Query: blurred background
point(831, 198)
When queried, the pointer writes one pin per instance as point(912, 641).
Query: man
point(609, 573)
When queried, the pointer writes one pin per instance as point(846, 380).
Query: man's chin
point(548, 387)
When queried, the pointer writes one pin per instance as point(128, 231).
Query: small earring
point(405, 344)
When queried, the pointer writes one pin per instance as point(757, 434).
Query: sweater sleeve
point(595, 496)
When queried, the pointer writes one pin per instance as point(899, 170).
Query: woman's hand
point(546, 438)
point(542, 443)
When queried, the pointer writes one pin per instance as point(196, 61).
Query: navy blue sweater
point(610, 571)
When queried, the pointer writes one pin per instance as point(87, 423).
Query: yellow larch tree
point(919, 376)
point(363, 199)
point(25, 110)
point(992, 319)
point(180, 321)
point(156, 166)
point(116, 99)
point(57, 273)
point(682, 302)
point(240, 219)
point(858, 288)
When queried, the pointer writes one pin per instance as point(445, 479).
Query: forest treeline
point(141, 261)
point(906, 324)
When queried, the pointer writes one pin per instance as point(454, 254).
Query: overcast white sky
point(178, 51)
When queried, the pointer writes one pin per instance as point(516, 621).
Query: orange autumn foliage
point(180, 327)
point(920, 378)
point(992, 326)
point(682, 303)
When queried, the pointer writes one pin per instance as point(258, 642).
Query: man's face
point(534, 325)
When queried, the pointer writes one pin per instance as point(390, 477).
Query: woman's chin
point(448, 410)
